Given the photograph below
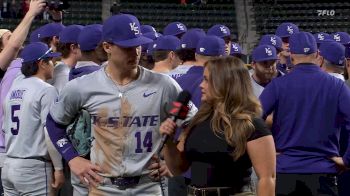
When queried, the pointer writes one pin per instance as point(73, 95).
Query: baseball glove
point(79, 133)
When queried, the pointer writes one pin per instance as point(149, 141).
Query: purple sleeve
point(268, 99)
point(344, 108)
point(58, 136)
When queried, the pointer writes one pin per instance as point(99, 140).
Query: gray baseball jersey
point(257, 88)
point(25, 110)
point(60, 76)
point(125, 119)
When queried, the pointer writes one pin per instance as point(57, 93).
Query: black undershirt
point(212, 164)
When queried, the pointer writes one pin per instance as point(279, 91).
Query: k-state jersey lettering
point(125, 119)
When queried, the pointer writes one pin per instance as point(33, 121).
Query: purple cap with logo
point(272, 40)
point(333, 52)
point(286, 29)
point(123, 30)
point(264, 53)
point(34, 35)
point(147, 29)
point(190, 39)
point(50, 30)
point(302, 43)
point(174, 28)
point(341, 37)
point(166, 42)
point(70, 34)
point(90, 37)
point(36, 51)
point(219, 30)
point(150, 32)
point(235, 49)
point(211, 45)
point(323, 37)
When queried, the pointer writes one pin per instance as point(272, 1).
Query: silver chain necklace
point(120, 94)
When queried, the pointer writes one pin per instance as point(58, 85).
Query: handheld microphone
point(178, 111)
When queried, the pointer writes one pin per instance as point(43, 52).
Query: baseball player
point(187, 52)
point(223, 32)
point(175, 28)
point(92, 53)
point(71, 53)
point(284, 31)
point(164, 54)
point(25, 107)
point(126, 103)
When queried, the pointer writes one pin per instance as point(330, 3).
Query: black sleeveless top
point(212, 164)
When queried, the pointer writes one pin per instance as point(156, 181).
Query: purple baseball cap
point(235, 49)
point(144, 47)
point(190, 39)
point(286, 29)
point(123, 30)
point(302, 43)
point(174, 28)
point(70, 34)
point(149, 50)
point(322, 37)
point(150, 32)
point(341, 37)
point(264, 53)
point(272, 40)
point(90, 37)
point(34, 35)
point(333, 52)
point(152, 35)
point(167, 42)
point(219, 30)
point(36, 51)
point(147, 29)
point(211, 45)
point(50, 30)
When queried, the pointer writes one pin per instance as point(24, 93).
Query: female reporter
point(225, 138)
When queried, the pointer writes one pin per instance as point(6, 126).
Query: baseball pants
point(26, 177)
point(79, 189)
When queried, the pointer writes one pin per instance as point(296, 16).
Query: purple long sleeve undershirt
point(57, 133)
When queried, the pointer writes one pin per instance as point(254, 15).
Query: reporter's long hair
point(232, 104)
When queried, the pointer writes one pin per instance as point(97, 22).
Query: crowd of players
point(124, 74)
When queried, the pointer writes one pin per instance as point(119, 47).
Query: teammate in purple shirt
point(306, 106)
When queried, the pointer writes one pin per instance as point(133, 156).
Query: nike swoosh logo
point(147, 95)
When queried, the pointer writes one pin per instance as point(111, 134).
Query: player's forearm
point(55, 156)
point(16, 41)
point(59, 138)
point(175, 160)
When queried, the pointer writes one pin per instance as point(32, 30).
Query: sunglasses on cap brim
point(46, 53)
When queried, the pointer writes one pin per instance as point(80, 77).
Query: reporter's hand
point(58, 179)
point(86, 171)
point(156, 165)
point(36, 7)
point(167, 127)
